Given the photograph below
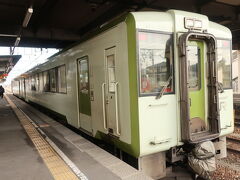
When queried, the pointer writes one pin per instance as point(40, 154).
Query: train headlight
point(197, 24)
point(190, 23)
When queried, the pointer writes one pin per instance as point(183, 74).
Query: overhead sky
point(30, 58)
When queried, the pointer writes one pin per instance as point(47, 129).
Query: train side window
point(40, 81)
point(62, 85)
point(155, 56)
point(53, 80)
point(46, 86)
point(33, 83)
point(27, 84)
point(111, 73)
point(224, 63)
point(37, 82)
point(83, 73)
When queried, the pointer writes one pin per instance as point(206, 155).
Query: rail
point(233, 144)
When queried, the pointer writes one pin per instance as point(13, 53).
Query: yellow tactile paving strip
point(58, 168)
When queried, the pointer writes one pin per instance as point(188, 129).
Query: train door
point(111, 92)
point(19, 88)
point(196, 87)
point(24, 88)
point(84, 94)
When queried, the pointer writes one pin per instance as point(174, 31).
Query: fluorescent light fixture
point(27, 17)
point(8, 35)
point(17, 41)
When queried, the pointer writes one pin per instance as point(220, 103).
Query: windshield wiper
point(220, 87)
point(164, 88)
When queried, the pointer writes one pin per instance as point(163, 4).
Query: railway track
point(237, 121)
point(237, 124)
point(229, 167)
point(233, 144)
point(233, 140)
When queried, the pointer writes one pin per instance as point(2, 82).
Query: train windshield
point(155, 61)
point(224, 63)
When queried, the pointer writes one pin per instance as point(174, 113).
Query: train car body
point(148, 82)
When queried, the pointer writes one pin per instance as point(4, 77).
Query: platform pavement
point(19, 159)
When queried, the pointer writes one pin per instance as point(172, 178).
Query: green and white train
point(149, 82)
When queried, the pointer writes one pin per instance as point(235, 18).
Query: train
point(148, 82)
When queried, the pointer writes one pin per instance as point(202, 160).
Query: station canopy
point(59, 23)
point(7, 62)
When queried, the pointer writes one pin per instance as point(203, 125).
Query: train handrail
point(103, 104)
point(116, 107)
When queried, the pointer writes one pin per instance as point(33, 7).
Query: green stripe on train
point(134, 147)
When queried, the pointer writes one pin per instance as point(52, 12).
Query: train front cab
point(185, 86)
point(179, 90)
point(206, 107)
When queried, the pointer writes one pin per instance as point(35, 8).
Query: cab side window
point(224, 63)
point(155, 62)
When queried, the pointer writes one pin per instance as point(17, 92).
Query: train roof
point(153, 20)
point(169, 21)
point(173, 21)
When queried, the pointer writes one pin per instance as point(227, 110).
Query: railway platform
point(18, 157)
